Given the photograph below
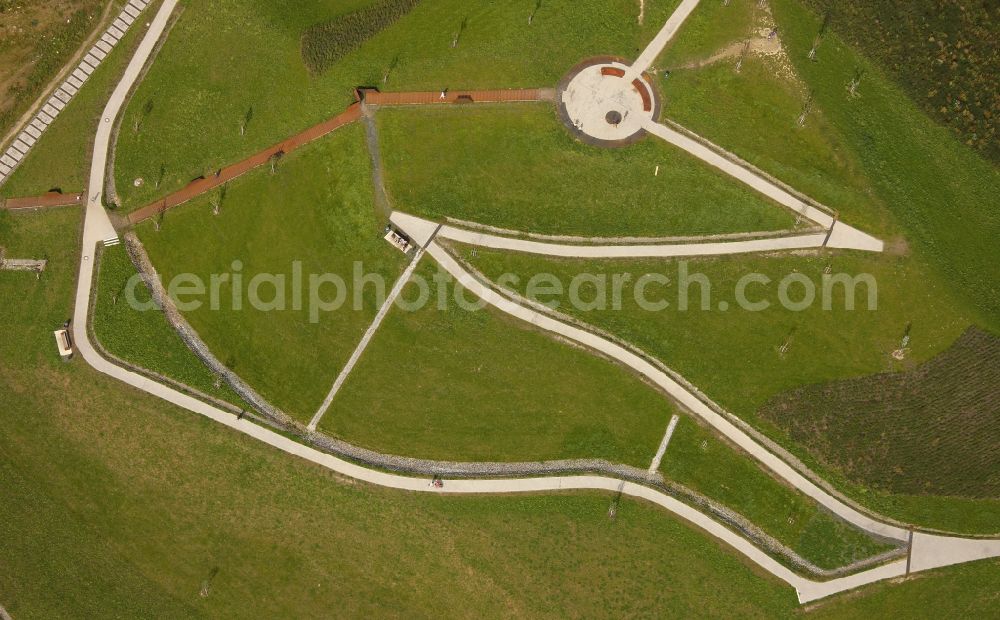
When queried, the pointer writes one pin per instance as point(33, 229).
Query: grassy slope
point(461, 385)
point(44, 37)
point(696, 458)
point(941, 192)
point(61, 157)
point(517, 167)
point(115, 504)
point(456, 384)
point(224, 57)
point(753, 113)
point(317, 210)
point(710, 27)
point(733, 356)
point(144, 338)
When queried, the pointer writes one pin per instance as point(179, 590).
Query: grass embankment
point(143, 336)
point(315, 210)
point(456, 384)
point(741, 358)
point(61, 157)
point(931, 430)
point(225, 58)
point(517, 167)
point(942, 53)
point(466, 385)
point(754, 114)
point(710, 27)
point(938, 189)
point(699, 460)
point(117, 504)
point(38, 39)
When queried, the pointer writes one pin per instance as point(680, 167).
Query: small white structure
point(400, 242)
point(64, 344)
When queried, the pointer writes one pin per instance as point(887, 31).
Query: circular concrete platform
point(601, 105)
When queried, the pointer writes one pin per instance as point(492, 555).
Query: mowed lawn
point(316, 211)
point(943, 194)
point(477, 385)
point(113, 503)
point(700, 460)
point(754, 114)
point(140, 334)
point(740, 358)
point(226, 57)
point(116, 504)
point(517, 167)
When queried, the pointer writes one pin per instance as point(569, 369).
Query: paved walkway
point(642, 250)
point(366, 338)
point(928, 551)
point(374, 97)
point(667, 32)
point(18, 149)
point(655, 463)
point(51, 199)
point(224, 175)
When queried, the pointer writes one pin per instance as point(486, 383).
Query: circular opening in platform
point(613, 117)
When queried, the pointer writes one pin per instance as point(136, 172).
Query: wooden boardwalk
point(351, 114)
point(224, 175)
point(51, 199)
point(374, 97)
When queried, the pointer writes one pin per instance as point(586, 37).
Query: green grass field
point(201, 95)
point(938, 189)
point(456, 384)
point(116, 504)
point(315, 210)
point(61, 157)
point(931, 430)
point(464, 385)
point(735, 356)
point(754, 114)
point(710, 27)
point(517, 167)
point(700, 460)
point(144, 337)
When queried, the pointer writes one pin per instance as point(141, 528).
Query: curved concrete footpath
point(841, 237)
point(928, 551)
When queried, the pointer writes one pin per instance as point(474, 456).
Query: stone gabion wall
point(140, 259)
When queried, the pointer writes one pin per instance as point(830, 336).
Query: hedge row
point(325, 44)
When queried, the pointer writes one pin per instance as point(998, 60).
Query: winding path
point(928, 551)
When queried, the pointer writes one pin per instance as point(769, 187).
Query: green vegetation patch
point(140, 334)
point(477, 385)
point(224, 58)
point(934, 429)
point(943, 53)
point(37, 41)
point(697, 459)
point(741, 358)
point(314, 214)
point(939, 190)
point(61, 157)
point(325, 44)
point(754, 113)
point(517, 167)
point(115, 503)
